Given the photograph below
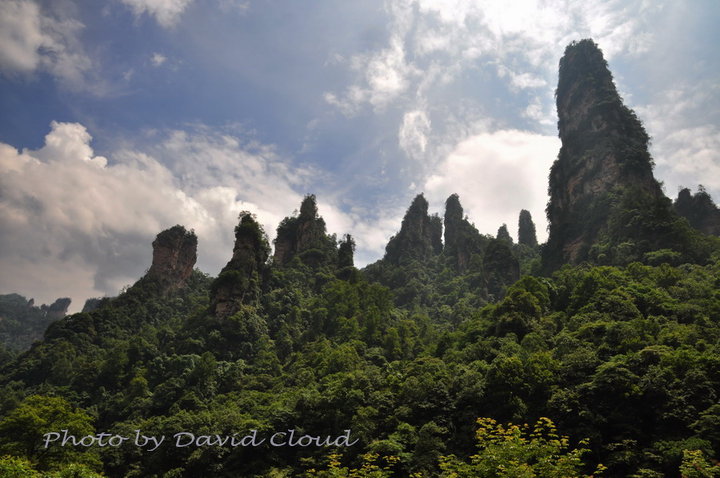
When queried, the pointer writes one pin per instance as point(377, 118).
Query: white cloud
point(386, 76)
point(413, 134)
point(158, 59)
point(686, 136)
point(75, 224)
point(80, 225)
point(32, 39)
point(370, 227)
point(541, 113)
point(435, 47)
point(521, 80)
point(166, 12)
point(20, 36)
point(496, 175)
point(454, 34)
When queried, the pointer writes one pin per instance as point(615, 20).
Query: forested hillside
point(457, 354)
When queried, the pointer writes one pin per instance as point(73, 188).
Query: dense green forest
point(625, 358)
point(457, 354)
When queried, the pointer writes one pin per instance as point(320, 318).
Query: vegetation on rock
point(434, 360)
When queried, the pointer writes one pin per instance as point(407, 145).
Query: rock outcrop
point(240, 281)
point(174, 256)
point(56, 310)
point(420, 235)
point(699, 209)
point(462, 239)
point(91, 304)
point(603, 170)
point(304, 236)
point(526, 230)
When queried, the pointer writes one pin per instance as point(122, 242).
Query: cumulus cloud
point(166, 12)
point(77, 224)
point(81, 225)
point(32, 39)
point(496, 174)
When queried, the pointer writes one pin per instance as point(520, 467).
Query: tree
point(22, 430)
point(345, 252)
point(518, 452)
point(503, 234)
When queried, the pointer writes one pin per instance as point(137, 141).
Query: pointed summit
point(453, 219)
point(602, 190)
point(462, 240)
point(420, 235)
point(240, 280)
point(526, 229)
point(503, 234)
point(304, 236)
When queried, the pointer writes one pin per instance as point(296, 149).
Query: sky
point(121, 118)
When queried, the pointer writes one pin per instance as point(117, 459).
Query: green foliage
point(500, 266)
point(515, 451)
point(625, 356)
point(22, 432)
point(346, 251)
point(695, 465)
point(369, 468)
point(699, 209)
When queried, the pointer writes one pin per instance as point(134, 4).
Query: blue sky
point(124, 117)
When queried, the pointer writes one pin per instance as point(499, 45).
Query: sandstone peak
point(526, 229)
point(174, 256)
point(462, 239)
point(304, 235)
point(604, 155)
point(240, 280)
point(420, 235)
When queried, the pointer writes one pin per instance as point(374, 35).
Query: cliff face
point(462, 240)
point(58, 309)
point(174, 256)
point(240, 280)
point(526, 229)
point(604, 151)
point(420, 235)
point(699, 209)
point(304, 236)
